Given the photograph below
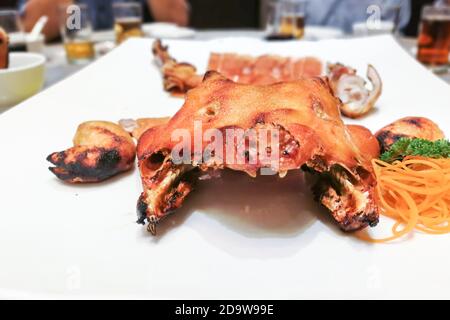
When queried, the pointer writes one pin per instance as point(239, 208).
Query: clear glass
point(391, 17)
point(285, 19)
point(76, 31)
point(127, 20)
point(273, 12)
point(434, 37)
point(293, 16)
point(10, 22)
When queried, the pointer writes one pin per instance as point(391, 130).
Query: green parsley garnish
point(417, 147)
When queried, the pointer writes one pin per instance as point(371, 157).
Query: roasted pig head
point(297, 121)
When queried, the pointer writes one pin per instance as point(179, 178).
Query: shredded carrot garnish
point(415, 192)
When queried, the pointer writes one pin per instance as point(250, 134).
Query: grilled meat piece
point(311, 135)
point(178, 77)
point(101, 150)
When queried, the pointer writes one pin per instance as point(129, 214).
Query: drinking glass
point(434, 38)
point(10, 22)
point(293, 14)
point(285, 19)
point(127, 20)
point(76, 31)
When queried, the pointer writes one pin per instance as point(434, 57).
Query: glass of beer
point(434, 38)
point(127, 20)
point(76, 31)
point(293, 14)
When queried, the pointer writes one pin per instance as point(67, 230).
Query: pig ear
point(213, 75)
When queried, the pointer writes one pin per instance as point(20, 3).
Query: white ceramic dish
point(166, 30)
point(234, 238)
point(362, 29)
point(322, 33)
point(23, 78)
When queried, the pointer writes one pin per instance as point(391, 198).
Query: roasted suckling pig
point(4, 51)
point(409, 127)
point(347, 85)
point(101, 150)
point(309, 135)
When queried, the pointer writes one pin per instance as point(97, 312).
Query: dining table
point(237, 237)
point(57, 67)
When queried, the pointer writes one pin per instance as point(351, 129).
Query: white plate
point(322, 33)
point(236, 238)
point(166, 30)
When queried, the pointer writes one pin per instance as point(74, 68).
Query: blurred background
point(70, 37)
point(222, 14)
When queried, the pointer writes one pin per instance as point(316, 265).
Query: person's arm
point(405, 11)
point(176, 11)
point(34, 9)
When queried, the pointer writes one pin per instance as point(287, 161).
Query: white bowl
point(23, 78)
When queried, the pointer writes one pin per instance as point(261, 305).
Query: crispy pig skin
point(307, 114)
point(4, 50)
point(147, 123)
point(365, 140)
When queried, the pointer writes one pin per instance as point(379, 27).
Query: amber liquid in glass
point(79, 50)
point(293, 25)
point(434, 41)
point(126, 28)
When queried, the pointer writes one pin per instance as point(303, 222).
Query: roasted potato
point(409, 127)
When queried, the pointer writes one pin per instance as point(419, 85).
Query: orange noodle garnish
point(415, 192)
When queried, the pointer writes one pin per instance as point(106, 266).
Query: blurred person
point(226, 14)
point(341, 14)
point(344, 14)
point(176, 11)
point(412, 30)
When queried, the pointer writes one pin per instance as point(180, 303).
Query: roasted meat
point(365, 140)
point(309, 135)
point(409, 127)
point(267, 69)
point(137, 127)
point(101, 150)
point(357, 99)
point(4, 50)
point(178, 77)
